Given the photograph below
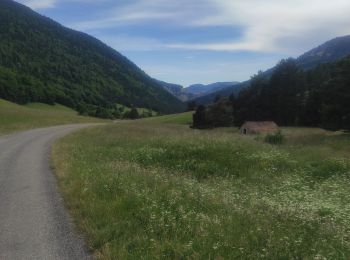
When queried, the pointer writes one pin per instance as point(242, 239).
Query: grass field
point(139, 110)
point(14, 117)
point(155, 189)
point(181, 119)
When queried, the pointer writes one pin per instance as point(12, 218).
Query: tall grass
point(149, 190)
point(275, 139)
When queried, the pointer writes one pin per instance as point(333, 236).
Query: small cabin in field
point(259, 127)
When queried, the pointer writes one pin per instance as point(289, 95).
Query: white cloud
point(39, 4)
point(45, 4)
point(128, 43)
point(274, 25)
point(284, 26)
point(140, 11)
point(267, 26)
point(120, 19)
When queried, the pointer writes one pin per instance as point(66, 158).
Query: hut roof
point(262, 126)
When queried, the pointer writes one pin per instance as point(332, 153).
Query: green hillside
point(182, 119)
point(15, 117)
point(42, 61)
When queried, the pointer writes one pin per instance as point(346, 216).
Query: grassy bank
point(14, 117)
point(180, 119)
point(156, 189)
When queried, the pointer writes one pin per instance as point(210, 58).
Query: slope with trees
point(292, 97)
point(330, 51)
point(40, 60)
point(318, 97)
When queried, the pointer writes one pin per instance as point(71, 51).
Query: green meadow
point(15, 117)
point(156, 189)
point(141, 111)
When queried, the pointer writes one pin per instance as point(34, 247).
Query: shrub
point(132, 114)
point(219, 114)
point(277, 138)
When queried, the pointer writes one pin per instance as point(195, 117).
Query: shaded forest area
point(290, 96)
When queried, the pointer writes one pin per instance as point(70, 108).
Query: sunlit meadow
point(154, 189)
point(15, 118)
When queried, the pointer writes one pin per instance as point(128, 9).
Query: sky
point(203, 41)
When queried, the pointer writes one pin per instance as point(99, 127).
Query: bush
point(132, 114)
point(219, 114)
point(277, 138)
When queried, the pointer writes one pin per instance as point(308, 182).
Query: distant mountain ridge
point(196, 90)
point(177, 91)
point(42, 61)
point(330, 51)
point(224, 92)
point(201, 89)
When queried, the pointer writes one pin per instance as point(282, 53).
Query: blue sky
point(203, 41)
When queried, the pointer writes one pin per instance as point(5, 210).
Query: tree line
point(289, 96)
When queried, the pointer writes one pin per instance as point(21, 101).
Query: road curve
point(33, 221)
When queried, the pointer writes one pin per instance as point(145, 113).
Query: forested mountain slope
point(292, 97)
point(330, 51)
point(40, 60)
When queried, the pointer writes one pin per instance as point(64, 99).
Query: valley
point(104, 154)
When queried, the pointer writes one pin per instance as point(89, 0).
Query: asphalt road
point(33, 221)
